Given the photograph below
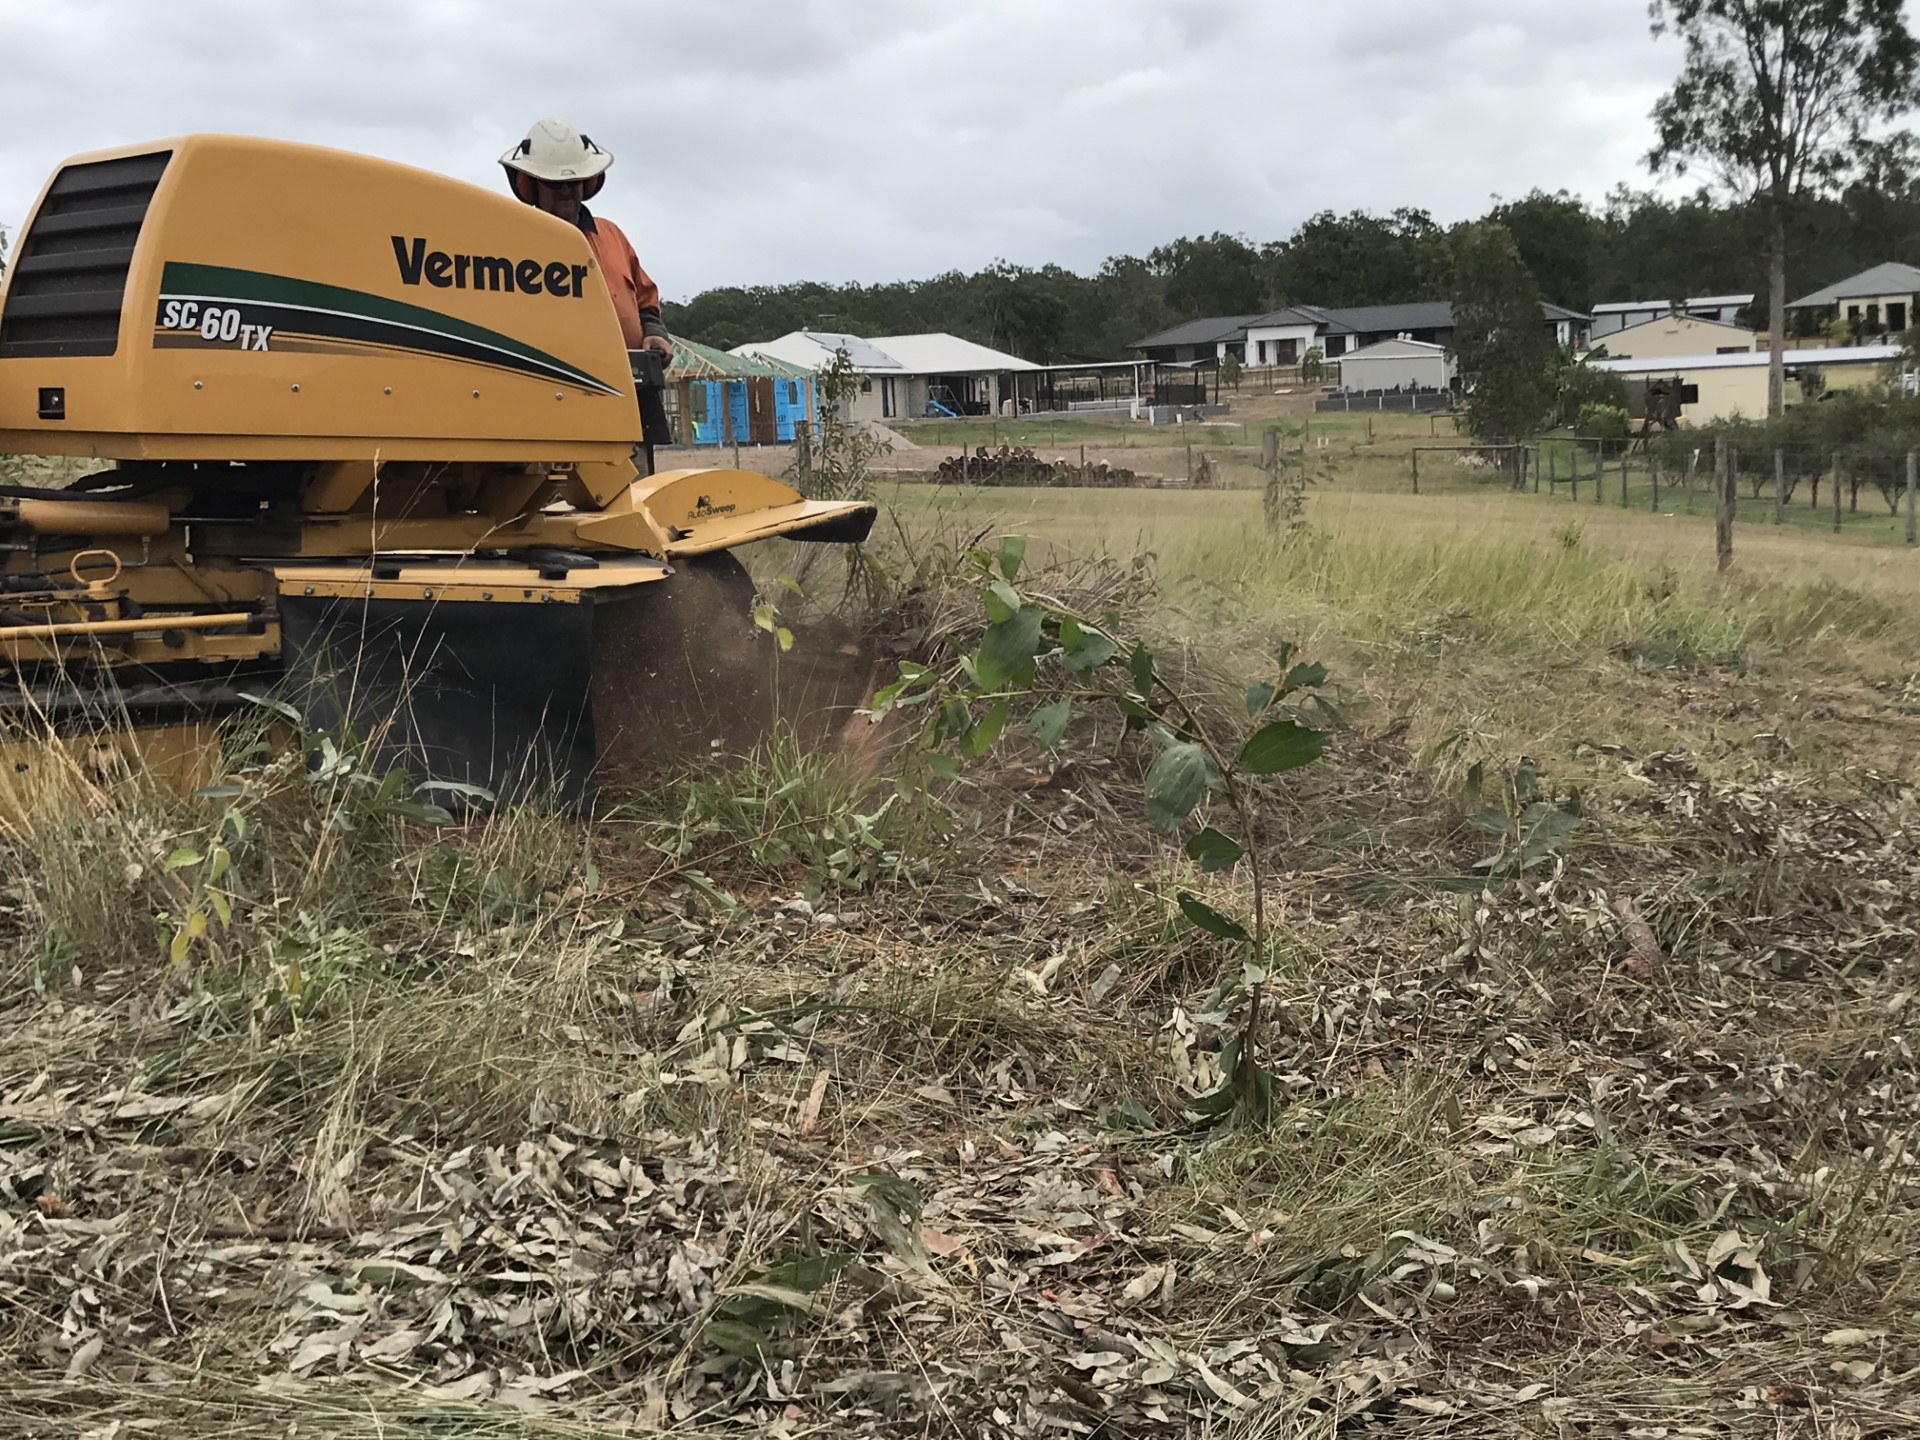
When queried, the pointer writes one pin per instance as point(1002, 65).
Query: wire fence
point(1803, 485)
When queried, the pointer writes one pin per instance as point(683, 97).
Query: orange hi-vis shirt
point(636, 299)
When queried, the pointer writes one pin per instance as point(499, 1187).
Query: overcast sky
point(759, 141)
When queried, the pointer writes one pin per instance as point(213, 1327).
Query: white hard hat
point(555, 152)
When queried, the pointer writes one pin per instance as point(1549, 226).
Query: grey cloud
point(769, 140)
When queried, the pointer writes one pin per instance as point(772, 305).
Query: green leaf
point(911, 675)
point(986, 734)
point(735, 1337)
point(806, 1273)
point(1001, 600)
point(1176, 782)
point(1492, 820)
point(279, 707)
point(455, 787)
point(1545, 827)
point(1050, 722)
point(1089, 651)
point(183, 856)
point(1013, 549)
point(1259, 696)
point(1216, 1103)
point(1135, 1114)
point(1140, 662)
point(1303, 677)
point(222, 862)
point(1281, 745)
point(1213, 851)
point(220, 792)
point(783, 1296)
point(1007, 650)
point(1209, 919)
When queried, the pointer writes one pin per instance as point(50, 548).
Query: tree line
point(1634, 246)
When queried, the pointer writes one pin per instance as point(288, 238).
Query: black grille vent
point(67, 281)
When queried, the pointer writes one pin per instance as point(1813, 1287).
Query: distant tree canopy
point(1506, 356)
point(1634, 246)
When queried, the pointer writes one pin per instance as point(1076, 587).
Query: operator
point(557, 169)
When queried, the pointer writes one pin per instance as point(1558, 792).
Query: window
point(887, 410)
point(1853, 313)
point(1336, 345)
point(1896, 315)
point(1689, 394)
point(1873, 316)
point(1730, 350)
point(866, 384)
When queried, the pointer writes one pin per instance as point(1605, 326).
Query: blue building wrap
point(706, 422)
point(739, 418)
point(789, 406)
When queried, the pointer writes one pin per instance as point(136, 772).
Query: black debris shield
point(474, 692)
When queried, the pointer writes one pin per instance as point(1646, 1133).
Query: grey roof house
point(1282, 337)
point(1195, 339)
point(1878, 300)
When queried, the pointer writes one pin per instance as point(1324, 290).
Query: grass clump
point(785, 812)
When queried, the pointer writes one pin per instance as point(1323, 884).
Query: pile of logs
point(1019, 465)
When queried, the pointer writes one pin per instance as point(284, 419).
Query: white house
point(1397, 365)
point(1617, 315)
point(1283, 337)
point(903, 377)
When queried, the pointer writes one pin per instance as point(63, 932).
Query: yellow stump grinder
point(370, 439)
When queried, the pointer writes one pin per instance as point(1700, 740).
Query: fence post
point(1573, 473)
point(1270, 466)
point(1553, 472)
point(1083, 458)
point(1416, 469)
point(1779, 485)
point(1912, 533)
point(1653, 481)
point(1723, 504)
point(1600, 478)
point(1836, 492)
point(1623, 479)
point(803, 456)
point(1534, 453)
point(1189, 462)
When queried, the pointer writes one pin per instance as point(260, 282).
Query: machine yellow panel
point(320, 304)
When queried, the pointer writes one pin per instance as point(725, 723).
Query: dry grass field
point(797, 1097)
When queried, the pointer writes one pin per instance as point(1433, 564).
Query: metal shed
point(1397, 365)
